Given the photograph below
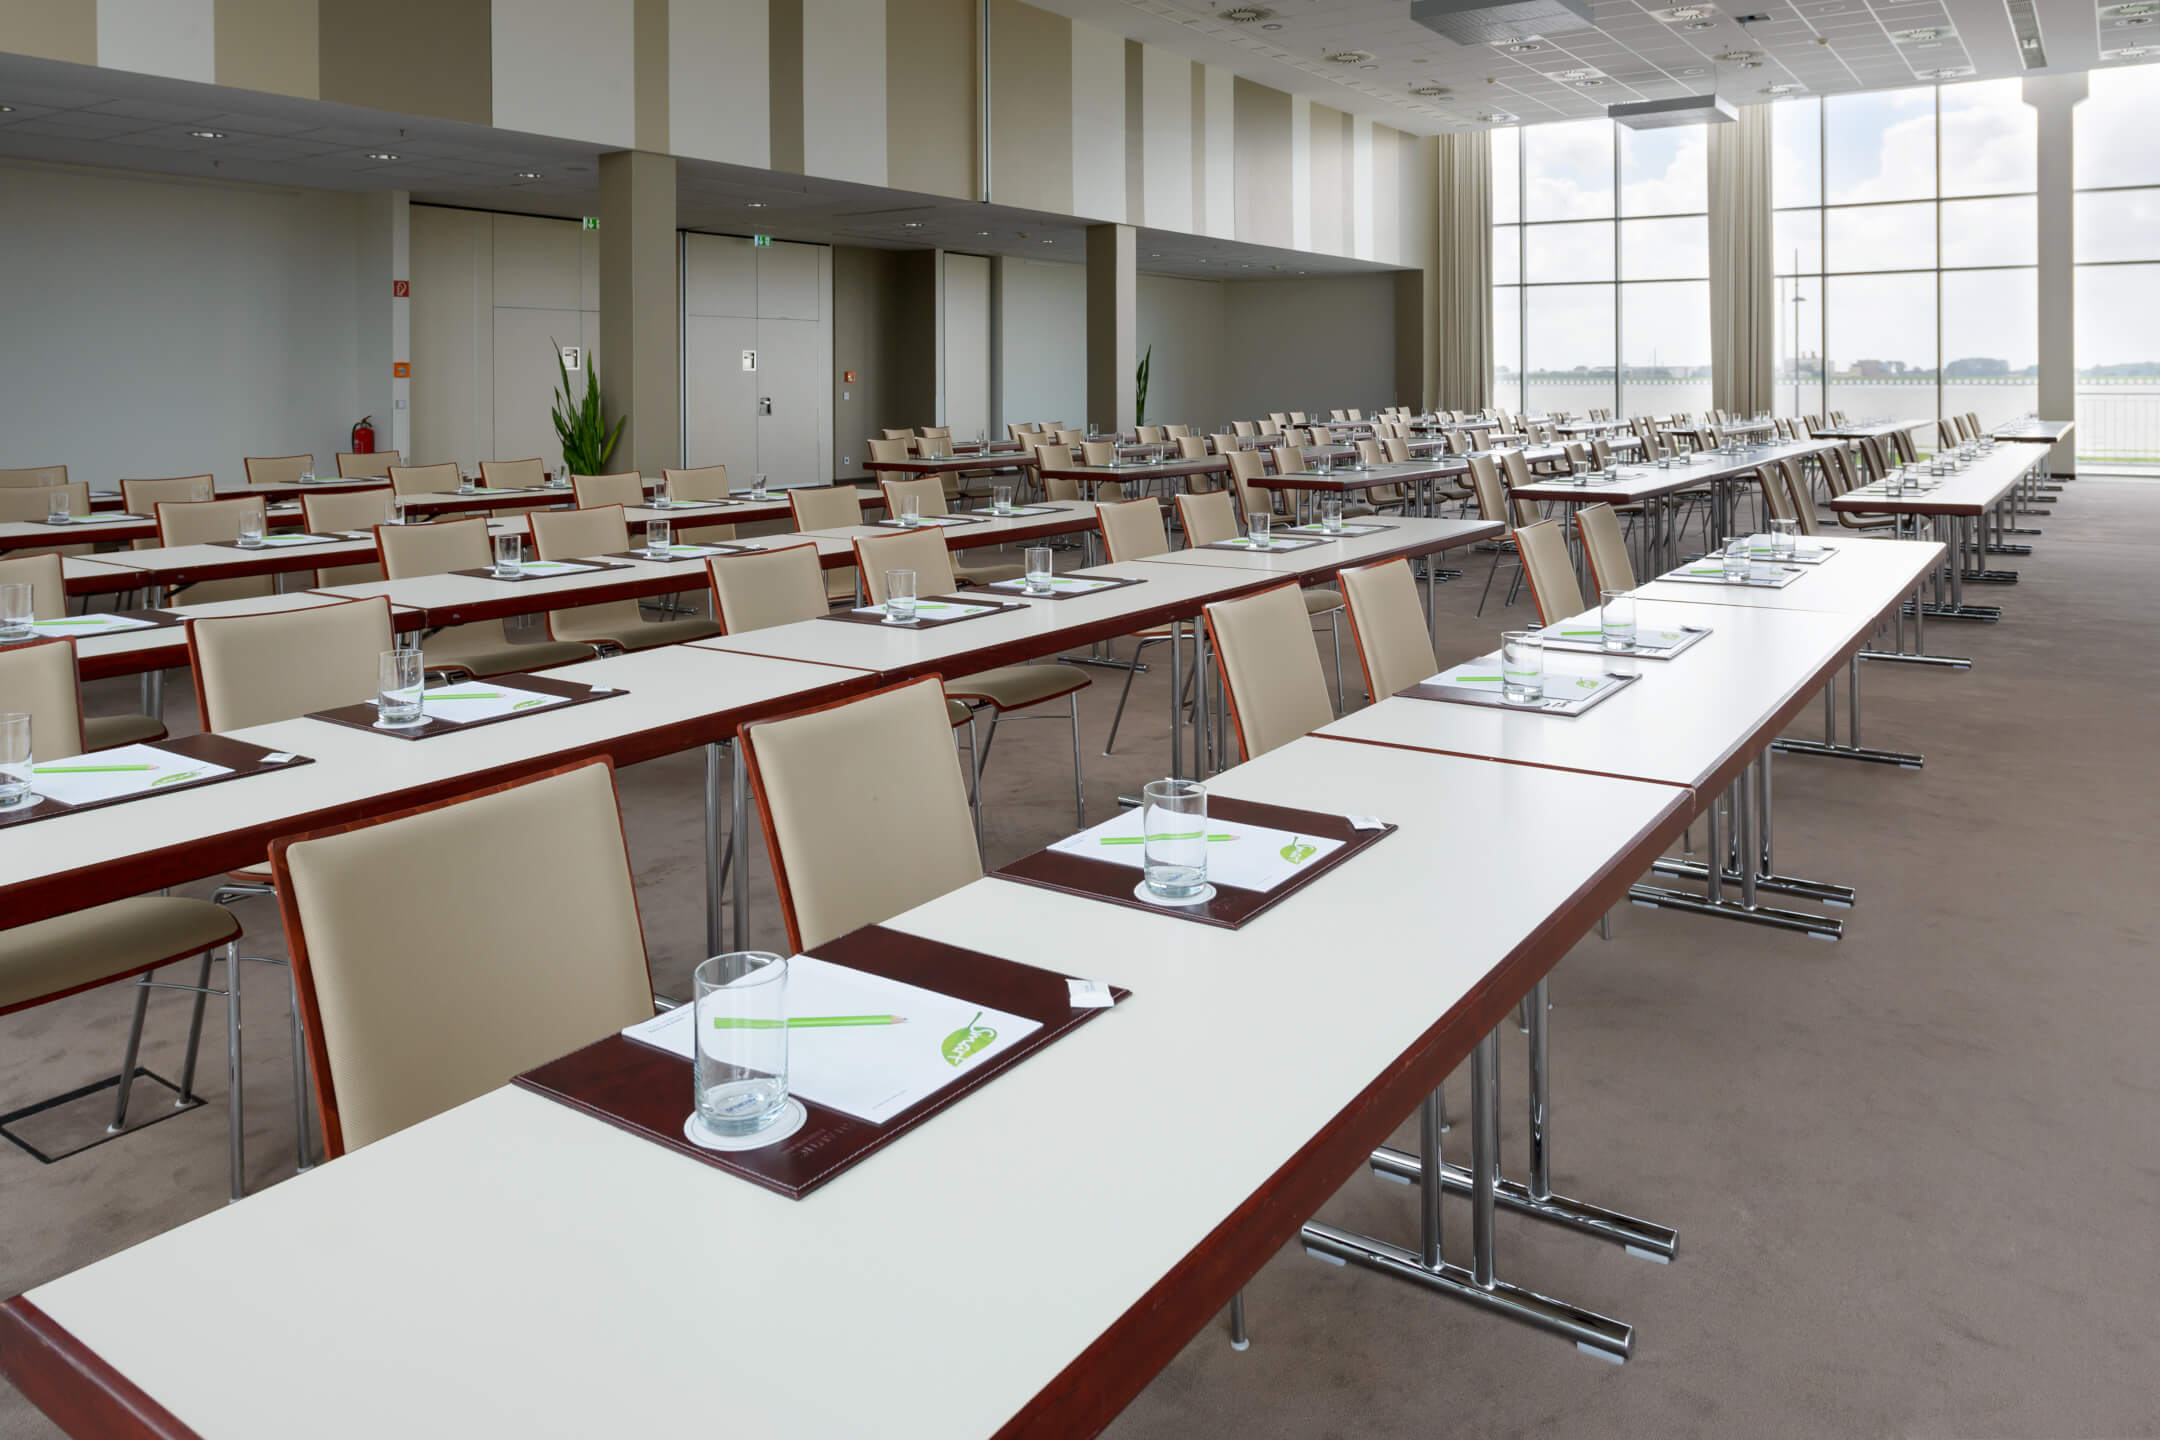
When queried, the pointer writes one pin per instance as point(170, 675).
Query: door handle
point(764, 405)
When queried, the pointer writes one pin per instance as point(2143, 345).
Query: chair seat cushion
point(102, 732)
point(48, 958)
point(1321, 599)
point(1013, 687)
point(647, 633)
point(483, 655)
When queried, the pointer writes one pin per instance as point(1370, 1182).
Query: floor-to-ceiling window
point(1601, 291)
point(1905, 253)
point(2117, 131)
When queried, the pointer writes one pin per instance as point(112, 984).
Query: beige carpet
point(1912, 1173)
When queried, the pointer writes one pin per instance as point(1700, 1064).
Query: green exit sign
point(592, 222)
point(761, 240)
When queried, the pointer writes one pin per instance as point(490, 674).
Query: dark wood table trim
point(74, 1386)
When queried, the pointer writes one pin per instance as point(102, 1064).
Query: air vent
point(1926, 32)
point(2142, 7)
point(1430, 92)
point(1349, 57)
point(2025, 25)
point(1739, 57)
point(1678, 13)
point(1946, 72)
point(1245, 14)
point(2130, 52)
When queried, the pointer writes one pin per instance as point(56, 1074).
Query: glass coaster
point(792, 1117)
point(1199, 897)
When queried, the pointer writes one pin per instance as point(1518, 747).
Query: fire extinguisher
point(363, 436)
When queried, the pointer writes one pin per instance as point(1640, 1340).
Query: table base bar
point(1820, 891)
point(1902, 759)
point(1652, 897)
point(1638, 1237)
point(2002, 549)
point(1954, 662)
point(1985, 614)
point(1991, 577)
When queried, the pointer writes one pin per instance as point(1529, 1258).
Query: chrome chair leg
point(235, 1115)
point(128, 1053)
point(975, 777)
point(303, 1140)
point(1239, 1340)
point(1125, 692)
point(1079, 784)
point(186, 1096)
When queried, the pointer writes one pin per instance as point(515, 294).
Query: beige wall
point(1325, 341)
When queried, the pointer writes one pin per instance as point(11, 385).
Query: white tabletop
point(1864, 578)
point(1970, 491)
point(1407, 535)
point(93, 648)
point(515, 1265)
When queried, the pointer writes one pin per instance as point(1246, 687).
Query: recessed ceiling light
point(1947, 72)
point(1271, 27)
point(1692, 70)
point(1590, 84)
point(1154, 255)
point(1684, 12)
point(1049, 242)
point(1735, 57)
point(7, 109)
point(1925, 32)
point(1524, 47)
point(1571, 76)
point(381, 155)
point(1429, 91)
point(1495, 117)
point(917, 225)
point(1702, 25)
point(207, 134)
point(1751, 64)
point(1781, 88)
point(2135, 20)
point(2130, 52)
point(2138, 7)
point(1375, 67)
point(1347, 57)
point(753, 205)
point(982, 232)
point(528, 175)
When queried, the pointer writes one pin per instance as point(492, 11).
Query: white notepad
point(91, 625)
point(111, 774)
point(1258, 857)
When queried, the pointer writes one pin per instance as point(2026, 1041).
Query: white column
point(2055, 99)
point(383, 332)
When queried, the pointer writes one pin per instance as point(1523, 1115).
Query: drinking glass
point(1256, 526)
point(1784, 535)
point(739, 1077)
point(14, 759)
point(911, 510)
point(15, 611)
point(1522, 667)
point(758, 486)
point(465, 484)
point(1038, 572)
point(509, 551)
point(1326, 463)
point(57, 509)
point(1174, 824)
point(1001, 499)
point(659, 534)
point(1616, 619)
point(1735, 558)
point(251, 527)
point(982, 440)
point(398, 687)
point(900, 596)
point(199, 492)
point(1331, 513)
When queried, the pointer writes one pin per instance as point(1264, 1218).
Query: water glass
point(398, 688)
point(509, 551)
point(251, 526)
point(14, 759)
point(1735, 559)
point(1326, 463)
point(16, 611)
point(1001, 499)
point(1331, 513)
point(465, 484)
point(659, 534)
point(1616, 619)
point(199, 493)
point(911, 510)
point(739, 1076)
point(1256, 526)
point(57, 508)
point(1522, 667)
point(900, 596)
point(1784, 537)
point(1038, 572)
point(1174, 824)
point(759, 486)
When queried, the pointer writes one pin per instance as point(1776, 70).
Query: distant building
point(1867, 369)
point(1973, 366)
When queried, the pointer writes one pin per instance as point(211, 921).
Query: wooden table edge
point(73, 1385)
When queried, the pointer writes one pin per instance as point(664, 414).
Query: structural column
point(1113, 325)
point(2055, 99)
point(640, 310)
point(383, 327)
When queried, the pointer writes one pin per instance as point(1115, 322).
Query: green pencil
point(1461, 679)
point(1143, 839)
point(82, 620)
point(1582, 632)
point(806, 1022)
point(84, 769)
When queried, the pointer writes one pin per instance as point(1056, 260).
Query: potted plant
point(1140, 388)
point(587, 442)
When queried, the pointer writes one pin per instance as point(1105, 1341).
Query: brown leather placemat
point(718, 547)
point(241, 758)
point(1298, 543)
point(487, 572)
point(647, 1091)
point(934, 522)
point(1351, 530)
point(1113, 582)
point(1232, 907)
point(362, 717)
point(284, 542)
point(922, 622)
point(159, 620)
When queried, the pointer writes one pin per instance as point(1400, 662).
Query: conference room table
point(1303, 487)
point(1898, 434)
point(1170, 472)
point(1655, 485)
point(495, 1230)
point(1968, 508)
point(2035, 431)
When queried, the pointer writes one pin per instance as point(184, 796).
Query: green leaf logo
point(1297, 852)
point(969, 1040)
point(169, 779)
point(525, 704)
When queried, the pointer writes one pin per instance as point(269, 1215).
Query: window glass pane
point(1506, 176)
point(1990, 344)
point(1881, 237)
point(1568, 170)
point(1796, 152)
point(1507, 347)
point(1506, 254)
point(1796, 242)
point(2119, 225)
point(1665, 249)
point(1881, 334)
point(1664, 172)
point(1881, 146)
point(1990, 232)
point(1799, 346)
point(1570, 358)
point(1568, 252)
point(1665, 348)
point(2115, 127)
point(1990, 140)
point(2118, 381)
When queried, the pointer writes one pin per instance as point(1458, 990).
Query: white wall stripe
point(567, 68)
point(1301, 172)
point(1166, 132)
point(720, 81)
point(844, 89)
point(1098, 123)
point(159, 37)
point(1221, 152)
point(1361, 187)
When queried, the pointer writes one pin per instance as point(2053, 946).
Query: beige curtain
point(1465, 276)
point(1743, 291)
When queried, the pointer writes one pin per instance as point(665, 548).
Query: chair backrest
point(1150, 434)
point(626, 489)
point(1299, 417)
point(1099, 452)
point(437, 549)
point(36, 505)
point(1270, 667)
point(374, 465)
point(200, 522)
point(902, 434)
point(1544, 551)
point(1069, 438)
point(1244, 427)
point(1398, 450)
point(1278, 417)
point(1801, 496)
point(397, 1031)
point(1271, 427)
point(1321, 435)
point(514, 474)
point(756, 589)
point(836, 786)
point(1606, 545)
point(1133, 529)
point(46, 577)
point(1485, 487)
point(1192, 447)
point(424, 479)
point(1338, 414)
point(706, 482)
point(257, 669)
point(34, 477)
point(891, 450)
point(1056, 456)
point(141, 497)
point(927, 491)
point(922, 551)
point(1516, 466)
point(1388, 626)
point(1458, 442)
point(1177, 432)
point(277, 469)
point(825, 507)
point(38, 679)
point(1770, 479)
point(352, 510)
point(577, 534)
point(1600, 452)
point(1208, 517)
point(1372, 452)
point(1247, 466)
point(935, 432)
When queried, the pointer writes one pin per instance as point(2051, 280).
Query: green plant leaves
point(967, 1041)
point(1140, 383)
point(586, 439)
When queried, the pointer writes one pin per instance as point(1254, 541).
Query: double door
point(757, 359)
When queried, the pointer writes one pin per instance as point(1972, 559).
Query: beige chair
point(1209, 517)
point(481, 647)
point(934, 447)
point(1177, 432)
point(1777, 500)
point(277, 469)
point(518, 969)
point(34, 477)
point(1246, 466)
point(1493, 504)
point(1838, 476)
point(1387, 627)
point(205, 522)
point(1193, 447)
point(1098, 452)
point(21, 504)
point(1069, 438)
point(829, 507)
point(438, 479)
point(259, 669)
point(1133, 530)
point(900, 434)
point(1606, 546)
point(1800, 496)
point(1000, 692)
point(582, 534)
point(352, 511)
point(893, 451)
point(835, 785)
point(513, 474)
point(930, 497)
point(1552, 574)
point(593, 491)
point(42, 571)
point(52, 723)
point(375, 465)
point(758, 589)
point(706, 482)
point(934, 432)
point(1270, 671)
point(141, 497)
point(1150, 434)
point(1244, 427)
